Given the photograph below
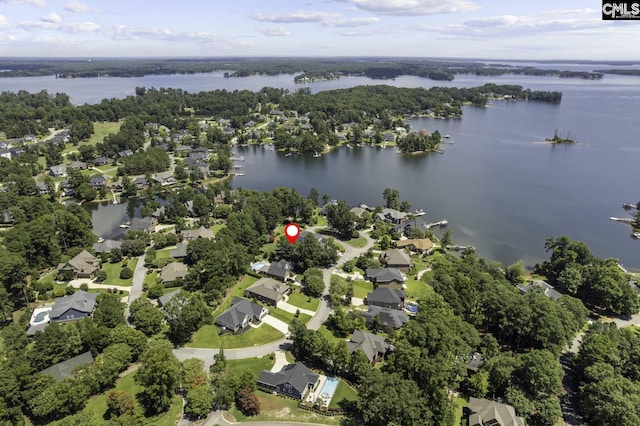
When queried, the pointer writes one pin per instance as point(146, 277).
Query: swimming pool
point(329, 388)
point(40, 316)
point(412, 308)
point(257, 266)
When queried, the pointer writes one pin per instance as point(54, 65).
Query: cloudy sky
point(540, 29)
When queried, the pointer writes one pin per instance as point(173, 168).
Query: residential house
point(240, 315)
point(165, 179)
point(406, 225)
point(141, 182)
point(58, 171)
point(43, 189)
point(78, 165)
point(66, 369)
point(194, 234)
point(180, 252)
point(386, 297)
point(125, 153)
point(389, 137)
point(392, 216)
point(391, 318)
point(5, 153)
point(146, 224)
point(304, 234)
point(358, 211)
point(323, 209)
point(101, 161)
point(546, 288)
point(183, 150)
point(396, 258)
point(173, 272)
point(106, 246)
point(6, 218)
point(483, 412)
point(268, 290)
point(97, 182)
point(77, 306)
point(83, 265)
point(280, 270)
point(166, 298)
point(198, 155)
point(385, 277)
point(373, 346)
point(422, 245)
point(294, 380)
point(476, 360)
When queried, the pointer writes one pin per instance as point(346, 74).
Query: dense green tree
point(159, 375)
point(146, 317)
point(185, 313)
point(199, 401)
point(391, 198)
point(109, 311)
point(342, 219)
point(313, 282)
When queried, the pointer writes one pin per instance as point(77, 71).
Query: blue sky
point(510, 29)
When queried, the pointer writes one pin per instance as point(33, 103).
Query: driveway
point(279, 325)
point(136, 284)
point(279, 362)
point(206, 355)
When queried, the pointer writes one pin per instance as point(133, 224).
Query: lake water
point(500, 190)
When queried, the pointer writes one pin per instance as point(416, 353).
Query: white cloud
point(353, 22)
point(413, 7)
point(296, 17)
point(38, 3)
point(3, 22)
point(76, 7)
point(52, 17)
point(278, 31)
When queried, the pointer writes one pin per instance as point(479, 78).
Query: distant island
point(305, 69)
point(560, 139)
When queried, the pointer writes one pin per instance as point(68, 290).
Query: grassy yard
point(113, 272)
point(322, 220)
point(255, 365)
point(417, 289)
point(268, 248)
point(151, 279)
point(164, 253)
point(301, 301)
point(459, 404)
point(208, 336)
point(343, 391)
point(102, 129)
point(237, 290)
point(97, 405)
point(287, 317)
point(361, 288)
point(217, 227)
point(327, 334)
point(279, 409)
point(357, 242)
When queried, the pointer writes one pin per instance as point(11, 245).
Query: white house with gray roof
point(74, 307)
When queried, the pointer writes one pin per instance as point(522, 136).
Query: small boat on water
point(629, 206)
point(125, 225)
point(446, 136)
point(636, 235)
point(419, 212)
point(316, 155)
point(288, 154)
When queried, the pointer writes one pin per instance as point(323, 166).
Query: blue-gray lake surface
point(500, 188)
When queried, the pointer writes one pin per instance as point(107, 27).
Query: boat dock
point(443, 222)
point(628, 220)
point(460, 248)
point(236, 167)
point(237, 174)
point(240, 158)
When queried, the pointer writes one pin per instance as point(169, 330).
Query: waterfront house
point(373, 346)
point(546, 288)
point(391, 318)
point(268, 290)
point(293, 380)
point(241, 315)
point(83, 265)
point(141, 182)
point(146, 224)
point(386, 297)
point(77, 306)
point(385, 277)
point(97, 182)
point(422, 245)
point(106, 246)
point(396, 258)
point(392, 216)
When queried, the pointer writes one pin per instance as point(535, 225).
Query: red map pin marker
point(292, 232)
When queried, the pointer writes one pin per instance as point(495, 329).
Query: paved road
point(136, 284)
point(206, 355)
point(217, 417)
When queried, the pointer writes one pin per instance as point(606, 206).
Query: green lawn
point(417, 289)
point(102, 129)
point(459, 404)
point(164, 253)
point(151, 279)
point(343, 391)
point(322, 220)
point(208, 336)
point(329, 335)
point(357, 242)
point(279, 409)
point(287, 317)
point(237, 290)
point(217, 227)
point(113, 272)
point(361, 288)
point(255, 365)
point(301, 301)
point(268, 248)
point(97, 405)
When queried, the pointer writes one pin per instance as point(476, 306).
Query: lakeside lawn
point(97, 405)
point(302, 301)
point(255, 365)
point(279, 409)
point(343, 391)
point(208, 336)
point(361, 288)
point(113, 273)
point(417, 289)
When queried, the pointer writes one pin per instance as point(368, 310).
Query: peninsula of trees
point(305, 69)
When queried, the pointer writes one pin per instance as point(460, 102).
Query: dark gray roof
point(305, 234)
point(141, 224)
point(384, 275)
point(397, 257)
point(368, 343)
point(97, 180)
point(486, 412)
point(80, 301)
point(106, 246)
point(388, 317)
point(101, 160)
point(64, 369)
point(297, 375)
point(240, 310)
point(179, 252)
point(280, 269)
point(385, 295)
point(547, 289)
point(163, 300)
